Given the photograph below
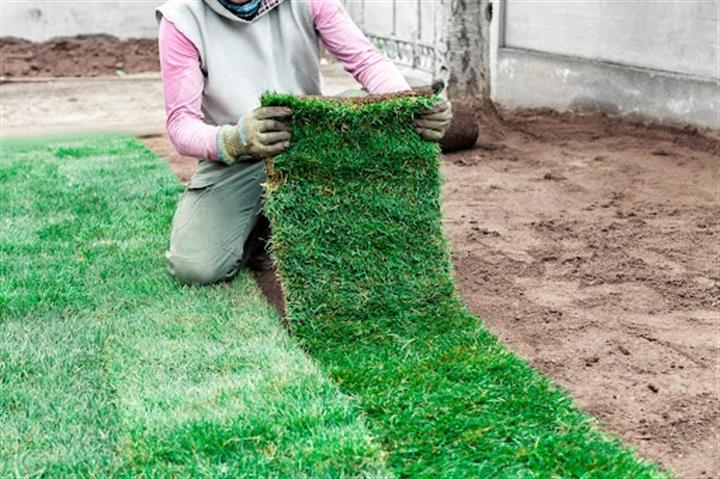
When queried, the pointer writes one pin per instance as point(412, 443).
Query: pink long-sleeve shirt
point(183, 80)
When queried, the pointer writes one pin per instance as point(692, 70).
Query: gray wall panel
point(677, 35)
point(40, 20)
point(378, 17)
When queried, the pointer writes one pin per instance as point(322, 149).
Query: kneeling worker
point(217, 57)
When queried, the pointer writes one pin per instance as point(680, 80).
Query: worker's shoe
point(257, 257)
point(260, 262)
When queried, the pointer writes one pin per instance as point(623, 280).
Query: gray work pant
point(213, 220)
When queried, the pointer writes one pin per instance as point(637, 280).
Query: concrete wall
point(676, 36)
point(527, 79)
point(40, 20)
point(656, 59)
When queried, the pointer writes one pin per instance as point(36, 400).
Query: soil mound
point(79, 56)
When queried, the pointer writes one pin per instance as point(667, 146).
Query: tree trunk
point(463, 45)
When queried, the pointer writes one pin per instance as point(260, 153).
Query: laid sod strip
point(108, 368)
point(355, 210)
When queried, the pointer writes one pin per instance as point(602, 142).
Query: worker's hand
point(433, 123)
point(259, 134)
point(263, 133)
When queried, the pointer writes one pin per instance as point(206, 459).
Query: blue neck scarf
point(246, 11)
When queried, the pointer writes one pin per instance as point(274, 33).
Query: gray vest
point(276, 51)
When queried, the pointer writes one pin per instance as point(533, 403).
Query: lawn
point(110, 368)
point(357, 235)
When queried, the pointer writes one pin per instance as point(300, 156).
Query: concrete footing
point(528, 79)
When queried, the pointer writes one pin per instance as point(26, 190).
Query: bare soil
point(79, 56)
point(590, 246)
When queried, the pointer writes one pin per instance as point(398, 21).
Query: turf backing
point(357, 236)
point(109, 368)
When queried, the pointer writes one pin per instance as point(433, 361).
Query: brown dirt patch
point(272, 290)
point(590, 246)
point(79, 56)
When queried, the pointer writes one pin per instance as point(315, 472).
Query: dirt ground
point(80, 56)
point(590, 245)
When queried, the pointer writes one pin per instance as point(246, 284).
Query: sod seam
point(357, 237)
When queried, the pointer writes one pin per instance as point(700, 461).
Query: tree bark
point(463, 49)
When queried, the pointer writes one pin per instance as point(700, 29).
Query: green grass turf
point(109, 368)
point(355, 210)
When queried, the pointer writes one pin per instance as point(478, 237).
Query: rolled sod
point(462, 133)
point(357, 238)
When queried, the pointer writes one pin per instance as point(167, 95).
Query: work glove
point(433, 123)
point(257, 135)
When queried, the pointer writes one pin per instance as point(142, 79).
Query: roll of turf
point(357, 238)
point(462, 134)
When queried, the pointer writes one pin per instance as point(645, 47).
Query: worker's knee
point(202, 269)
